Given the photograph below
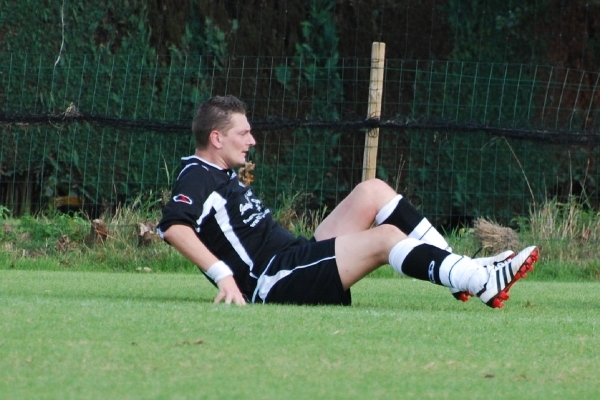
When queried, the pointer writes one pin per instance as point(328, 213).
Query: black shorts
point(304, 274)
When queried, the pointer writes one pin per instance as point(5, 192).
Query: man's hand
point(184, 239)
point(229, 291)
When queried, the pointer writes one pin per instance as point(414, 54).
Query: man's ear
point(215, 139)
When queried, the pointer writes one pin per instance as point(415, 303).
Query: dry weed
point(495, 238)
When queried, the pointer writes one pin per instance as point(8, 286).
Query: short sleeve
point(189, 194)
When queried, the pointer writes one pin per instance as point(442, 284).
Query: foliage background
point(154, 61)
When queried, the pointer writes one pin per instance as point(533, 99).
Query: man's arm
point(183, 238)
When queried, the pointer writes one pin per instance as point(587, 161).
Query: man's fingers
point(236, 298)
point(219, 297)
point(228, 298)
point(240, 301)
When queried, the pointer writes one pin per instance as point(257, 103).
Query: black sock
point(405, 217)
point(424, 262)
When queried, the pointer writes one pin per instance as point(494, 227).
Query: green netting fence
point(459, 139)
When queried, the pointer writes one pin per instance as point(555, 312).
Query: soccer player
point(220, 225)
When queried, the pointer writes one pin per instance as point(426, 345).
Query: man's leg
point(374, 200)
point(360, 253)
point(401, 213)
point(489, 283)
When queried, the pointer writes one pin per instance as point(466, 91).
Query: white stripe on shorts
point(265, 282)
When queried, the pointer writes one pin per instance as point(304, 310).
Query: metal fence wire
point(459, 139)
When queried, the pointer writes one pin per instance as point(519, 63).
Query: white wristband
point(218, 271)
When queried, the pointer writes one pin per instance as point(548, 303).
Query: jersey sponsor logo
point(245, 207)
point(250, 204)
point(254, 219)
point(182, 198)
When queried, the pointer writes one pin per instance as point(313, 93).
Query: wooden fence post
point(374, 109)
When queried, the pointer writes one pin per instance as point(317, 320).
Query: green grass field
point(101, 335)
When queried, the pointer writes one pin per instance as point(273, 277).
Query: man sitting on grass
point(219, 224)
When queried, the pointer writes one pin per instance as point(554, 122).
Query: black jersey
point(228, 218)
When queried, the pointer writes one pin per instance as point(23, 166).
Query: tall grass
point(568, 235)
point(65, 241)
point(572, 230)
point(299, 223)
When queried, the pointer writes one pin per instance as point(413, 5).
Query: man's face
point(236, 141)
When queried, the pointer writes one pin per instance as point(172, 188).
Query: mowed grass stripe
point(122, 335)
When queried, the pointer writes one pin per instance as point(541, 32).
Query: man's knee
point(389, 235)
point(375, 190)
point(375, 186)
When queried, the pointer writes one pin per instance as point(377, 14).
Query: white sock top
point(387, 210)
point(400, 251)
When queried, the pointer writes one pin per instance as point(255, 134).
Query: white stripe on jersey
point(231, 176)
point(265, 283)
point(186, 167)
point(217, 202)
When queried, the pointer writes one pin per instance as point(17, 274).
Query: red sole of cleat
point(503, 296)
point(463, 296)
point(498, 301)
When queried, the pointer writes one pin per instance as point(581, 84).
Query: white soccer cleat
point(463, 295)
point(503, 274)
